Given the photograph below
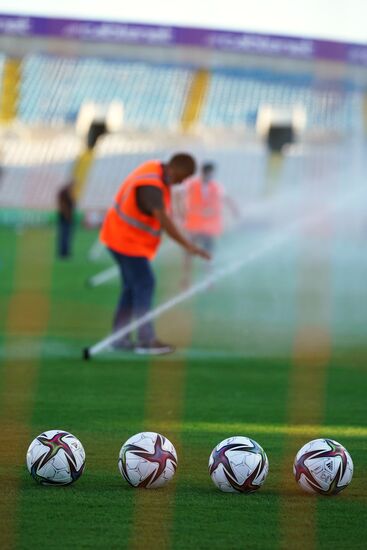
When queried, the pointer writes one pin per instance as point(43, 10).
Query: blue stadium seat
point(235, 97)
point(54, 88)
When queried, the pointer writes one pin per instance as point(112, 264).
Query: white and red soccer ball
point(148, 460)
point(55, 457)
point(323, 466)
point(238, 465)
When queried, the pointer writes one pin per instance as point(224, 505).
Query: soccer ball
point(238, 465)
point(323, 466)
point(147, 460)
point(55, 457)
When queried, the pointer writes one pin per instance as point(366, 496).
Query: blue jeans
point(138, 285)
point(64, 237)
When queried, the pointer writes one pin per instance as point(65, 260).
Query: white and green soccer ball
point(55, 457)
point(323, 466)
point(238, 465)
point(148, 460)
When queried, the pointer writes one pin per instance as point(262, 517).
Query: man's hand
point(170, 227)
point(197, 251)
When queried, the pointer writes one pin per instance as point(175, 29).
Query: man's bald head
point(180, 167)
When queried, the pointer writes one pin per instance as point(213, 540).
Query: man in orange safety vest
point(132, 232)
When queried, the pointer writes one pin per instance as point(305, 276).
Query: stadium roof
point(294, 29)
point(339, 20)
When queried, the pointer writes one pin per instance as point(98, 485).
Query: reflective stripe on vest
point(128, 219)
point(136, 223)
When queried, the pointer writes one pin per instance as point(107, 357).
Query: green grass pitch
point(231, 374)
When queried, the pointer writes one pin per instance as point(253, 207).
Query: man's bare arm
point(172, 230)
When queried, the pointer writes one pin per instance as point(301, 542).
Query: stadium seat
point(234, 98)
point(53, 90)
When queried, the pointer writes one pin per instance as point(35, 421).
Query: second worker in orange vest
point(132, 232)
point(203, 213)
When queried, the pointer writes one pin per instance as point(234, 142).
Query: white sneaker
point(155, 347)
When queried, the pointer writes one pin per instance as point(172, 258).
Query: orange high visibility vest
point(203, 207)
point(126, 229)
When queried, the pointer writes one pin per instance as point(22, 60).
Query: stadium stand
point(154, 96)
point(159, 103)
point(53, 90)
point(237, 168)
point(235, 97)
point(35, 169)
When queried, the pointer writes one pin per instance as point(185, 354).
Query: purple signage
point(155, 35)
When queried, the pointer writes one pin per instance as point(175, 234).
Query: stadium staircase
point(10, 89)
point(195, 100)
